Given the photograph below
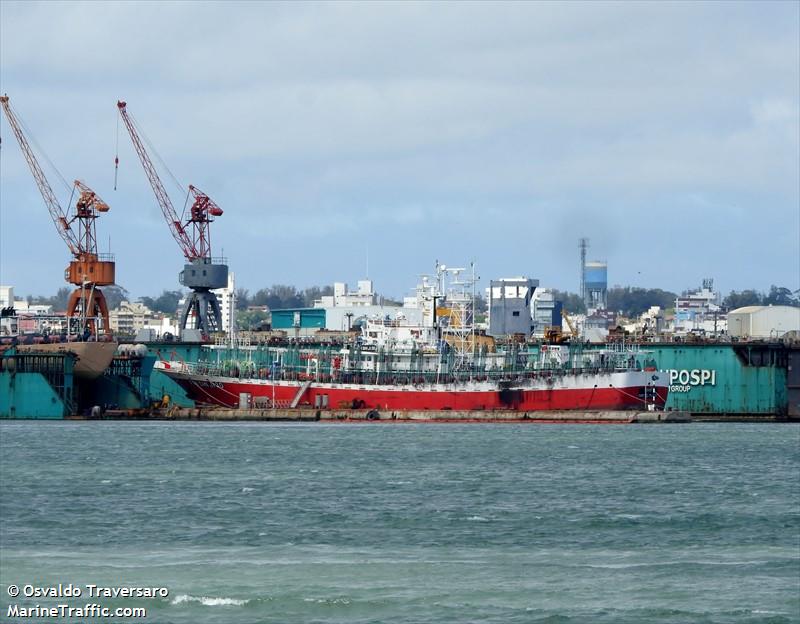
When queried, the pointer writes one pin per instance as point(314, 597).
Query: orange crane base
point(91, 303)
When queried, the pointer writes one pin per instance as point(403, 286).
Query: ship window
point(515, 313)
point(204, 272)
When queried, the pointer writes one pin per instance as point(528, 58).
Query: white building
point(362, 297)
point(156, 329)
point(6, 296)
point(763, 322)
point(21, 306)
point(699, 311)
point(227, 303)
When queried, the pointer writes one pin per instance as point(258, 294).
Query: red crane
point(88, 269)
point(193, 236)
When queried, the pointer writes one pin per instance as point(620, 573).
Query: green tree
point(779, 295)
point(632, 301)
point(741, 299)
point(166, 302)
point(242, 298)
point(251, 320)
point(115, 295)
point(314, 293)
point(58, 301)
point(572, 302)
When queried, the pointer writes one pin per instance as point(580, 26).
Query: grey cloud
point(368, 117)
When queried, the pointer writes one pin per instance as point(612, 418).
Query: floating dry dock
point(375, 416)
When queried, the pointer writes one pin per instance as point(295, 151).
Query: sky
point(352, 140)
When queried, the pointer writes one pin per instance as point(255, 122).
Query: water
point(247, 523)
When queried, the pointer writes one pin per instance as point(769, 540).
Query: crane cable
point(116, 155)
point(151, 148)
point(39, 149)
point(155, 152)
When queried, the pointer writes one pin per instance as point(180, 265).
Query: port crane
point(88, 269)
point(192, 232)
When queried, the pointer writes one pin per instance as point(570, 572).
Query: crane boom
point(56, 212)
point(191, 250)
point(572, 329)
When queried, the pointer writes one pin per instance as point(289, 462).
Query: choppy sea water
point(247, 523)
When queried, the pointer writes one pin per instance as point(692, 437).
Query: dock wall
point(29, 395)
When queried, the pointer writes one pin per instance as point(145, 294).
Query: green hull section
point(725, 379)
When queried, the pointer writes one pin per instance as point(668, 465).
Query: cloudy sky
point(408, 132)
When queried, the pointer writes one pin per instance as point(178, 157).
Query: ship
point(397, 366)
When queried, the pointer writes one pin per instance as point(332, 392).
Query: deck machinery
point(88, 268)
point(192, 232)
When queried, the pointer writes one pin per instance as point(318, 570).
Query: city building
point(21, 306)
point(364, 296)
point(6, 296)
point(699, 311)
point(130, 317)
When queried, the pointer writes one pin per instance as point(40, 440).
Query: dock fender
point(373, 415)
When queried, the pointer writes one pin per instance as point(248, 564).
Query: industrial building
point(510, 306)
point(596, 285)
point(763, 322)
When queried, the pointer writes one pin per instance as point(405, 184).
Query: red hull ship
point(542, 390)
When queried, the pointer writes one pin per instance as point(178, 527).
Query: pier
point(175, 413)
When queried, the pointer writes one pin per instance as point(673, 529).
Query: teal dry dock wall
point(28, 395)
point(737, 388)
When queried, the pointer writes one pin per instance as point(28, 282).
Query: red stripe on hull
point(226, 393)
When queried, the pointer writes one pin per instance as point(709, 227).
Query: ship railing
point(32, 328)
point(265, 371)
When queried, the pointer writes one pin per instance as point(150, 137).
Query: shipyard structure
point(351, 351)
point(352, 354)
